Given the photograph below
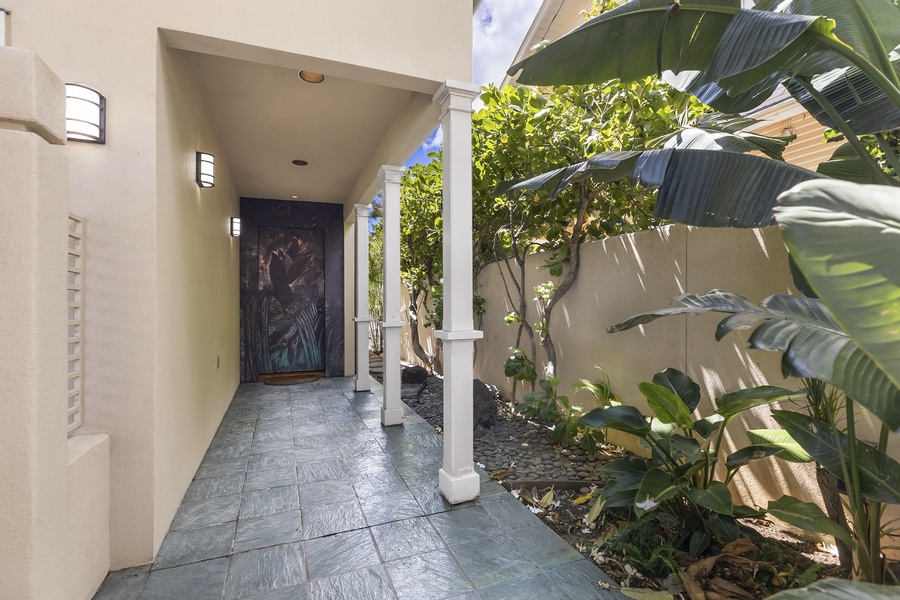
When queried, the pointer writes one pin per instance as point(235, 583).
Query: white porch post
point(361, 303)
point(391, 408)
point(458, 480)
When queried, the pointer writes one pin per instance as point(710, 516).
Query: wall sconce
point(235, 227)
point(206, 163)
point(85, 114)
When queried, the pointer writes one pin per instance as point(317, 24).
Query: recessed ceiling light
point(294, 197)
point(311, 77)
point(299, 162)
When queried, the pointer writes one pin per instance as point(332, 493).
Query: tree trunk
point(416, 342)
point(834, 508)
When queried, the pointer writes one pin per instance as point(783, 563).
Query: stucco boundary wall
point(630, 274)
point(55, 492)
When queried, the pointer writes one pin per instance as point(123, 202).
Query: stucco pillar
point(33, 327)
point(458, 480)
point(361, 297)
point(391, 407)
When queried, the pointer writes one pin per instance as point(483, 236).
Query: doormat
point(289, 378)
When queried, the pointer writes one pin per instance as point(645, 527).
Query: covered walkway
point(303, 494)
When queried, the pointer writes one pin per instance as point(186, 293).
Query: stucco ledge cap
point(32, 95)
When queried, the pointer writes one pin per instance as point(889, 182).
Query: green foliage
point(519, 366)
point(679, 478)
point(648, 547)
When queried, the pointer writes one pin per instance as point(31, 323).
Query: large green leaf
point(870, 27)
point(840, 589)
point(683, 386)
point(846, 239)
point(616, 44)
point(667, 406)
point(814, 345)
point(748, 454)
point(808, 517)
point(879, 474)
point(790, 450)
point(656, 487)
point(717, 131)
point(716, 498)
point(845, 164)
point(733, 403)
point(621, 418)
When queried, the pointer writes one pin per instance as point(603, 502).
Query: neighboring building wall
point(629, 274)
point(197, 323)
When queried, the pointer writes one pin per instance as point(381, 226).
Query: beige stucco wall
point(197, 324)
point(87, 524)
point(33, 249)
point(629, 274)
point(158, 304)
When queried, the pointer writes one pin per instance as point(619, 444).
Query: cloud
point(433, 143)
point(498, 29)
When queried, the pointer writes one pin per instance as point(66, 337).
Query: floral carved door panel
point(292, 306)
point(291, 287)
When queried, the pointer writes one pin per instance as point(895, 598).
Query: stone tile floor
point(303, 495)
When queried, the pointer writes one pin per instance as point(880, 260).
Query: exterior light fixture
point(299, 162)
point(310, 77)
point(85, 114)
point(235, 227)
point(206, 163)
point(788, 132)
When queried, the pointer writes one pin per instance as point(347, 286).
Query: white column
point(361, 297)
point(4, 27)
point(458, 480)
point(391, 407)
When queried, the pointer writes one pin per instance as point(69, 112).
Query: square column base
point(391, 416)
point(460, 488)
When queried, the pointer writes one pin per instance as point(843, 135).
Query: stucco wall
point(197, 324)
point(87, 525)
point(630, 274)
point(33, 241)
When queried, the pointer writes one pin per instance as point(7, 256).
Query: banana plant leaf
point(656, 487)
point(748, 454)
point(879, 474)
point(716, 131)
point(812, 343)
point(808, 517)
point(716, 498)
point(733, 403)
point(621, 418)
point(840, 589)
point(790, 450)
point(846, 238)
point(709, 188)
point(666, 405)
point(846, 165)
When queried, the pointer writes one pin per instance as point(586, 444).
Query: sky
point(497, 31)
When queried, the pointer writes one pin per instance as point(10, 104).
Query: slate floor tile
point(323, 470)
point(272, 434)
point(326, 492)
point(315, 441)
point(265, 570)
point(270, 478)
point(391, 507)
point(327, 519)
point(227, 450)
point(378, 484)
point(493, 560)
point(406, 538)
point(465, 525)
point(211, 511)
point(216, 468)
point(194, 545)
point(224, 485)
point(340, 553)
point(269, 446)
point(199, 581)
point(546, 548)
point(538, 587)
point(269, 501)
point(371, 584)
point(579, 581)
point(124, 584)
point(294, 592)
point(271, 460)
point(267, 530)
point(431, 576)
point(511, 514)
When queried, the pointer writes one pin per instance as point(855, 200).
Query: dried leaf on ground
point(739, 546)
point(691, 587)
point(729, 590)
